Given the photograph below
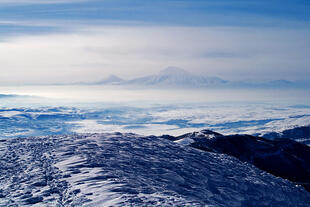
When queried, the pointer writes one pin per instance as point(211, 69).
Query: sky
point(68, 41)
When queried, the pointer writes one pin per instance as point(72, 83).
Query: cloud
point(78, 40)
point(92, 53)
point(163, 12)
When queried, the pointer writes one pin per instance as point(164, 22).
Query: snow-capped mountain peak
point(176, 77)
point(173, 71)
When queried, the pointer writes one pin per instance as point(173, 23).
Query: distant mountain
point(7, 96)
point(176, 77)
point(112, 79)
point(301, 134)
point(263, 84)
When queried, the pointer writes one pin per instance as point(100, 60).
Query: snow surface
point(131, 170)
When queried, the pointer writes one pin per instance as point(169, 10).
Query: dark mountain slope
point(301, 134)
point(281, 157)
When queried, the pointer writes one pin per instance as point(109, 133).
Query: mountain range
point(179, 78)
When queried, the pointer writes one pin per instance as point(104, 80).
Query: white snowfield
point(131, 170)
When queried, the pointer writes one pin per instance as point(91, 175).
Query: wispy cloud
point(74, 40)
point(95, 52)
point(163, 12)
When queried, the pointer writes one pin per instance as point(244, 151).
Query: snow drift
point(130, 170)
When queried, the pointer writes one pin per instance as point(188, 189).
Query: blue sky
point(67, 40)
point(278, 13)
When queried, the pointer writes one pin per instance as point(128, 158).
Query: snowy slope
point(281, 157)
point(130, 170)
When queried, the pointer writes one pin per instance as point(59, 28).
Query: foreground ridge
point(131, 170)
point(281, 157)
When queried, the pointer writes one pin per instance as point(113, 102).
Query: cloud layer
point(71, 41)
point(92, 53)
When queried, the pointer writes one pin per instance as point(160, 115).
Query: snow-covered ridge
point(131, 170)
point(281, 157)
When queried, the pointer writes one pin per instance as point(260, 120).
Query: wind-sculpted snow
point(130, 170)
